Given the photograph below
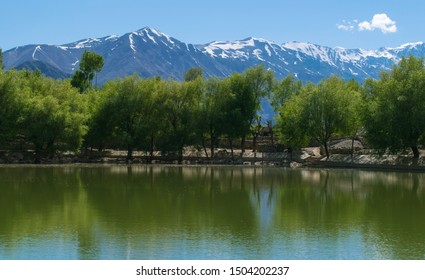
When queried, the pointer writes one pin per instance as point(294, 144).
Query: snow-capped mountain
point(149, 52)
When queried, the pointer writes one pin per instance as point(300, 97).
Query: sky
point(334, 23)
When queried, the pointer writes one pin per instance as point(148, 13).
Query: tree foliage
point(284, 90)
point(395, 115)
point(125, 114)
point(181, 106)
point(10, 104)
point(246, 91)
point(317, 113)
point(90, 64)
point(211, 119)
point(193, 74)
point(50, 116)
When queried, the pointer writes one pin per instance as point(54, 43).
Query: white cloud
point(345, 25)
point(379, 21)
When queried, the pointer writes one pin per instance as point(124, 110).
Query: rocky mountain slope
point(149, 52)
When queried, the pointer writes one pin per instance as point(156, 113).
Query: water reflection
point(157, 212)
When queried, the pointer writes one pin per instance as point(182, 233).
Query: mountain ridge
point(149, 52)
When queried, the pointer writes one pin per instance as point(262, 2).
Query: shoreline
point(309, 157)
point(310, 163)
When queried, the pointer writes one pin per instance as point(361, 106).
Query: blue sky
point(350, 24)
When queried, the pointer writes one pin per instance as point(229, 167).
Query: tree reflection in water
point(175, 212)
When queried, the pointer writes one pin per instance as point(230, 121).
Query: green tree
point(10, 106)
point(240, 109)
point(284, 90)
point(125, 112)
point(290, 121)
point(180, 109)
point(353, 111)
point(53, 117)
point(90, 64)
point(193, 74)
point(395, 115)
point(258, 83)
point(156, 119)
point(211, 118)
point(98, 135)
point(80, 81)
point(316, 113)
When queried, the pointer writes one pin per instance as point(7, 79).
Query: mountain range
point(149, 52)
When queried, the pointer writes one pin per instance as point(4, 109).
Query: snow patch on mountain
point(258, 54)
point(146, 31)
point(408, 45)
point(132, 46)
point(268, 50)
point(86, 43)
point(167, 57)
point(112, 38)
point(160, 34)
point(312, 50)
point(38, 48)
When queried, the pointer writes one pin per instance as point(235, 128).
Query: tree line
point(133, 113)
point(389, 112)
point(153, 114)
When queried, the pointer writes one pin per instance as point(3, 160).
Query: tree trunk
point(38, 150)
point(211, 131)
point(325, 145)
point(415, 151)
point(129, 153)
point(290, 154)
point(242, 146)
point(180, 159)
point(205, 147)
point(152, 149)
point(270, 126)
point(254, 145)
point(231, 147)
point(212, 146)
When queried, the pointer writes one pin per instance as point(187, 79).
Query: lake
point(209, 212)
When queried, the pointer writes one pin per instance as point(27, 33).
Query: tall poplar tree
point(91, 63)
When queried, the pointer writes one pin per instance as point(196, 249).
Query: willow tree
point(124, 117)
point(317, 113)
point(10, 108)
point(211, 117)
point(193, 74)
point(259, 84)
point(180, 110)
point(395, 115)
point(54, 115)
point(283, 90)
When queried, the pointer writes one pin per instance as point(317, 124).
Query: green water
point(159, 212)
